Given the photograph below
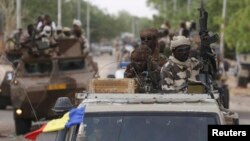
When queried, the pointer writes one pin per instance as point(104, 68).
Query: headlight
point(15, 82)
point(19, 111)
point(9, 76)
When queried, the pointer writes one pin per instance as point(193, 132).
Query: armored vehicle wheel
point(2, 105)
point(241, 81)
point(22, 126)
point(4, 101)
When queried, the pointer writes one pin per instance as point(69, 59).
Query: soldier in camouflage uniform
point(144, 69)
point(78, 34)
point(149, 37)
point(179, 69)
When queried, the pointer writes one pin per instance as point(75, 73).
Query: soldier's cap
point(179, 41)
point(141, 53)
point(77, 22)
point(59, 28)
point(149, 32)
point(66, 29)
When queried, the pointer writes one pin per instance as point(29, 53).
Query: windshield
point(38, 67)
point(71, 64)
point(151, 127)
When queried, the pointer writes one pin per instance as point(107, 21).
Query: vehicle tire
point(4, 102)
point(241, 82)
point(2, 105)
point(22, 126)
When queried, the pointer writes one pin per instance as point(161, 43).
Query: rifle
point(207, 56)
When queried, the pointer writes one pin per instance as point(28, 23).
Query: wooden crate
point(112, 86)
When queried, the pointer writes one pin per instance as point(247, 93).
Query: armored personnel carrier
point(6, 74)
point(44, 74)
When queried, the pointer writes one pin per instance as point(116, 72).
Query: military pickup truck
point(40, 78)
point(122, 115)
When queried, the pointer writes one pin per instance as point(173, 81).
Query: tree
point(237, 32)
point(236, 22)
point(7, 8)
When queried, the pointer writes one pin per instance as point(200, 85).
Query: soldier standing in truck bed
point(143, 68)
point(149, 37)
point(179, 69)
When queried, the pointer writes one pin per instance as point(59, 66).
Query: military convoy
point(243, 69)
point(113, 104)
point(44, 75)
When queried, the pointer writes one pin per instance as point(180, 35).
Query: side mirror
point(62, 106)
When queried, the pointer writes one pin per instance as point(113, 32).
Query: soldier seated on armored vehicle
point(180, 69)
point(143, 69)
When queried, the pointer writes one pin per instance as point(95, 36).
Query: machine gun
point(207, 56)
point(148, 80)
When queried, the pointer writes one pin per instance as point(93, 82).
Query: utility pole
point(188, 6)
point(133, 25)
point(165, 9)
point(88, 21)
point(222, 29)
point(18, 13)
point(79, 10)
point(59, 13)
point(174, 6)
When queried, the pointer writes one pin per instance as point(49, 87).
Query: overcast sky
point(135, 7)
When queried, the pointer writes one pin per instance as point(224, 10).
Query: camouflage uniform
point(143, 68)
point(175, 74)
point(78, 34)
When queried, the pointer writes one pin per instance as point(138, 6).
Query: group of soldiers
point(156, 71)
point(43, 38)
point(45, 30)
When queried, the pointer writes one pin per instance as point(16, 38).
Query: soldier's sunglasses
point(148, 38)
point(182, 49)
